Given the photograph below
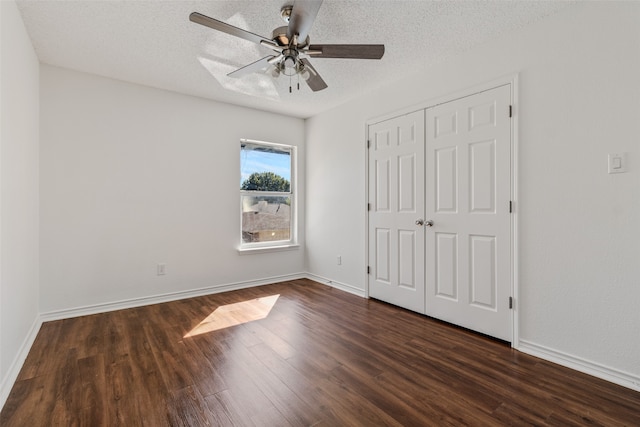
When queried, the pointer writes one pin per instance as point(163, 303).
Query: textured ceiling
point(153, 43)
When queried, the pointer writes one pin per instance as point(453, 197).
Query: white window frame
point(292, 243)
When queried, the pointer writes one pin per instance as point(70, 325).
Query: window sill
point(263, 249)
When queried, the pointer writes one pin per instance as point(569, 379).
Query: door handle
point(422, 222)
point(428, 223)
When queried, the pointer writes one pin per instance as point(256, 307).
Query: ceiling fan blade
point(314, 81)
point(253, 67)
point(350, 51)
point(201, 19)
point(303, 14)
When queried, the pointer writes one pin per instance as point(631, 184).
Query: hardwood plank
point(168, 357)
point(319, 357)
point(25, 395)
point(187, 408)
point(203, 367)
point(47, 341)
point(280, 396)
point(120, 391)
point(271, 418)
point(302, 386)
point(221, 416)
point(92, 376)
point(243, 399)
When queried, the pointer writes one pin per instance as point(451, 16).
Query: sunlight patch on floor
point(235, 314)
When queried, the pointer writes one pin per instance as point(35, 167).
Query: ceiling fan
point(291, 45)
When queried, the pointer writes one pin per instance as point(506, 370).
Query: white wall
point(132, 177)
point(579, 248)
point(18, 194)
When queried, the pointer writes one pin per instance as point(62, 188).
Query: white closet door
point(468, 187)
point(396, 202)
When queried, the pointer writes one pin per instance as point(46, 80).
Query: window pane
point(265, 168)
point(266, 218)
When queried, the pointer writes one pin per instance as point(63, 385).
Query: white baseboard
point(174, 296)
point(18, 361)
point(338, 285)
point(157, 299)
point(591, 368)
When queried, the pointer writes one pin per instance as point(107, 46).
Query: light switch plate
point(617, 162)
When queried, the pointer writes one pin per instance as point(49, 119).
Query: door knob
point(420, 222)
point(429, 223)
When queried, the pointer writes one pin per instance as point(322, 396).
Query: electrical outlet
point(161, 269)
point(339, 260)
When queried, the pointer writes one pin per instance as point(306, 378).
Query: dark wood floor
point(320, 357)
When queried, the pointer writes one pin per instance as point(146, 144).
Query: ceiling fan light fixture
point(304, 73)
point(289, 63)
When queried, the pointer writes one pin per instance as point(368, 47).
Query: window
point(266, 194)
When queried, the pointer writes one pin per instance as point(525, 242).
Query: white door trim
point(511, 79)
